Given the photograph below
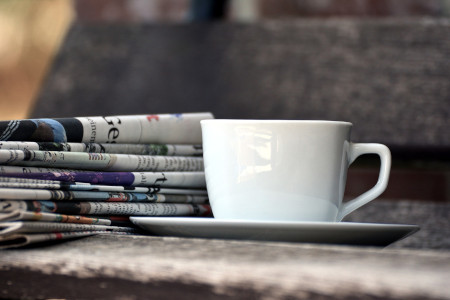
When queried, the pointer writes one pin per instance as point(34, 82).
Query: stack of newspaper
point(72, 177)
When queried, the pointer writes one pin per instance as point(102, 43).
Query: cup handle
point(383, 152)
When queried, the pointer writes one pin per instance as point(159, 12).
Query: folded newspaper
point(139, 149)
point(134, 129)
point(63, 178)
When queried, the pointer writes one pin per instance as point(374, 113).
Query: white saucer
point(368, 234)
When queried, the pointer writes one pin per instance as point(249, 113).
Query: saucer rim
point(203, 220)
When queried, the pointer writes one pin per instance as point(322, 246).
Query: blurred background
point(31, 31)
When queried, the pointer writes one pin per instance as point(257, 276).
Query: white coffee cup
point(284, 170)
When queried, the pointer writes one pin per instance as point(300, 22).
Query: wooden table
point(140, 267)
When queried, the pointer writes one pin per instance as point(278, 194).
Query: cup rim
point(273, 121)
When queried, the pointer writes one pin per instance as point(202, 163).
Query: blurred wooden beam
point(30, 35)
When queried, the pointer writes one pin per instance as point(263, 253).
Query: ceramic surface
point(277, 170)
point(306, 232)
